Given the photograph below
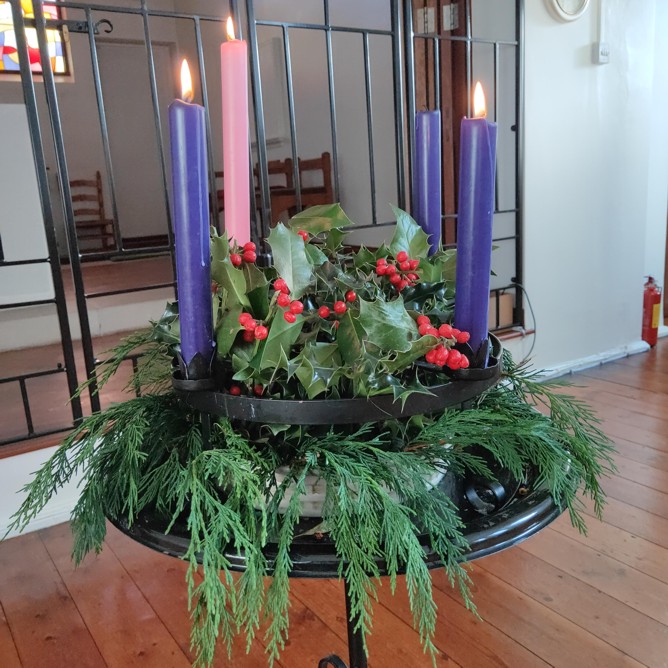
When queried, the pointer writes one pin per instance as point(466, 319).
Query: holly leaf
point(315, 255)
point(408, 236)
point(441, 267)
point(166, 329)
point(387, 324)
point(290, 259)
point(401, 393)
point(417, 350)
point(363, 257)
point(349, 337)
point(334, 240)
point(227, 329)
point(234, 283)
point(321, 218)
point(282, 336)
point(416, 297)
point(220, 251)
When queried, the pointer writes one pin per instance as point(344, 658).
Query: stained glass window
point(9, 57)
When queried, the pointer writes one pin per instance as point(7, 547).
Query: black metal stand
point(356, 653)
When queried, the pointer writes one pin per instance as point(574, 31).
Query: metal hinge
point(74, 26)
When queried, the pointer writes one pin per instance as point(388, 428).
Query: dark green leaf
point(408, 236)
point(315, 255)
point(290, 259)
point(321, 218)
point(364, 257)
point(387, 324)
point(227, 329)
point(349, 337)
point(417, 350)
point(234, 282)
point(282, 336)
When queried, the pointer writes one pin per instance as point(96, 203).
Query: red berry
point(289, 316)
point(455, 332)
point(445, 331)
point(430, 357)
point(395, 279)
point(464, 362)
point(402, 285)
point(423, 320)
point(454, 359)
point(432, 331)
point(381, 260)
point(442, 356)
point(235, 259)
point(351, 296)
point(402, 256)
point(261, 332)
point(244, 317)
point(391, 269)
point(235, 390)
point(249, 256)
point(248, 335)
point(280, 285)
point(412, 277)
point(405, 265)
point(414, 263)
point(381, 269)
point(250, 246)
point(340, 307)
point(324, 311)
point(463, 337)
point(296, 307)
point(250, 324)
point(283, 299)
point(258, 390)
point(304, 235)
point(424, 328)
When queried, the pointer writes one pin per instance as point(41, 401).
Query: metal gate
point(386, 85)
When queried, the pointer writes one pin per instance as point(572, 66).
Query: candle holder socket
point(196, 375)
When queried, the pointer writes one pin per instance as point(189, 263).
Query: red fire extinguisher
point(651, 311)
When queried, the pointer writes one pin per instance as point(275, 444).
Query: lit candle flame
point(230, 29)
point(186, 82)
point(479, 106)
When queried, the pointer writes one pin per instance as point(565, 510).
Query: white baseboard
point(596, 360)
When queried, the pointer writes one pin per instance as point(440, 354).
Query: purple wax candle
point(477, 161)
point(427, 175)
point(191, 229)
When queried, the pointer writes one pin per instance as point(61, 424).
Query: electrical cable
point(533, 319)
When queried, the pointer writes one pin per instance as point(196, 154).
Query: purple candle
point(477, 160)
point(191, 229)
point(427, 175)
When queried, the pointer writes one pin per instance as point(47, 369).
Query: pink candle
point(236, 161)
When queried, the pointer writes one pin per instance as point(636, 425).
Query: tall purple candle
point(427, 175)
point(191, 230)
point(477, 160)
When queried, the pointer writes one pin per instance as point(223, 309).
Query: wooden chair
point(321, 194)
point(94, 230)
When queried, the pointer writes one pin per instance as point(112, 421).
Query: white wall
point(596, 175)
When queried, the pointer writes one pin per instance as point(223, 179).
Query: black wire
point(533, 318)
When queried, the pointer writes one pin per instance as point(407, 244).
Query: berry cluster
point(441, 355)
point(235, 390)
point(294, 307)
point(252, 330)
point(400, 273)
point(247, 254)
point(339, 307)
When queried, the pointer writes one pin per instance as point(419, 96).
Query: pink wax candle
point(236, 159)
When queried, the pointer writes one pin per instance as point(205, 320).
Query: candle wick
point(188, 96)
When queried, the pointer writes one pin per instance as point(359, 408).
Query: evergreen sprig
point(150, 453)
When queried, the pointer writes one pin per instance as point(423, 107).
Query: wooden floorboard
point(560, 599)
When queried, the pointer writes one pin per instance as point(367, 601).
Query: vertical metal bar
point(104, 129)
point(332, 102)
point(399, 120)
point(409, 42)
point(369, 122)
point(496, 118)
point(213, 197)
point(356, 652)
point(26, 406)
point(256, 82)
point(437, 72)
point(73, 246)
point(293, 123)
point(158, 128)
point(47, 211)
point(519, 160)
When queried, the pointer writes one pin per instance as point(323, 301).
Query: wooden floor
point(559, 599)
